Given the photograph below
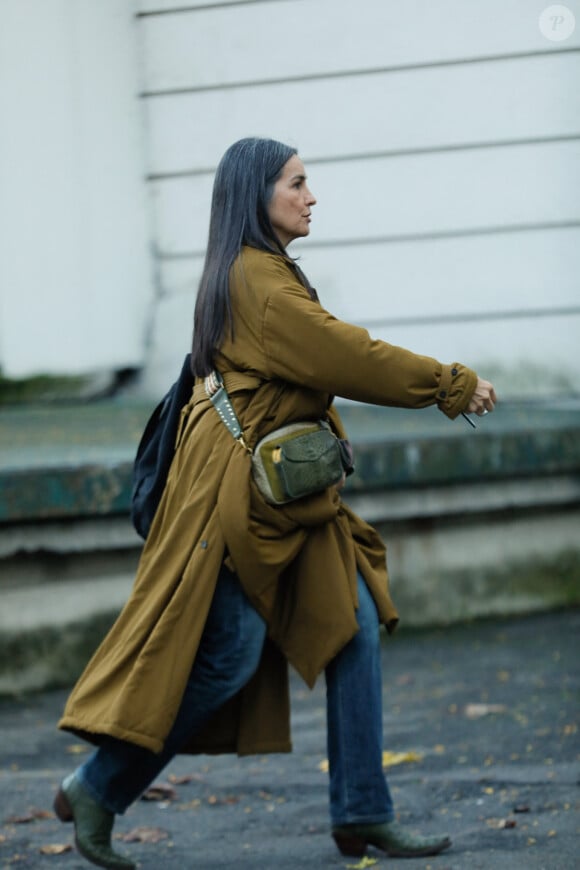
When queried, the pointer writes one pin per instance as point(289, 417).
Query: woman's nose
point(310, 198)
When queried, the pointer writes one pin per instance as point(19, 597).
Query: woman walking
point(231, 588)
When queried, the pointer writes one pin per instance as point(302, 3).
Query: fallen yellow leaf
point(77, 748)
point(366, 862)
point(392, 758)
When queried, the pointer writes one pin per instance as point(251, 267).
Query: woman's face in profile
point(291, 203)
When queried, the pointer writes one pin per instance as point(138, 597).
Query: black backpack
point(156, 450)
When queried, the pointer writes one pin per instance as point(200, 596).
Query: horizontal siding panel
point(425, 194)
point(532, 356)
point(414, 109)
point(265, 41)
point(180, 8)
point(517, 271)
point(367, 284)
point(511, 353)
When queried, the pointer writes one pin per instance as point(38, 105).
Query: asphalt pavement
point(481, 738)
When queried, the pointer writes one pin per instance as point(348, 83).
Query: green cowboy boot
point(391, 837)
point(93, 825)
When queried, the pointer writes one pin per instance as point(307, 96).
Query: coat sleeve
point(304, 344)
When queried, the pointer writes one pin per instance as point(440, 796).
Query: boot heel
point(350, 845)
point(62, 807)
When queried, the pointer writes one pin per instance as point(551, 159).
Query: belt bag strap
point(218, 396)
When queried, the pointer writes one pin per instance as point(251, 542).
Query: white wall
point(75, 269)
point(442, 139)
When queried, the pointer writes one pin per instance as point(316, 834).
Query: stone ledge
point(64, 491)
point(49, 656)
point(79, 464)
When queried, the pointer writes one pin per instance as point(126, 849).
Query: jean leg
point(228, 655)
point(359, 792)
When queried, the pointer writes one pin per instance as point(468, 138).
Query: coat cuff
point(456, 387)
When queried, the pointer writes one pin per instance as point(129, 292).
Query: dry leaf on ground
point(55, 849)
point(144, 835)
point(31, 816)
point(160, 791)
point(185, 779)
point(214, 800)
point(501, 823)
point(19, 820)
point(476, 711)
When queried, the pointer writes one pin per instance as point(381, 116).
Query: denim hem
point(80, 775)
point(377, 819)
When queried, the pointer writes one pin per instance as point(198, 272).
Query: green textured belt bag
point(291, 462)
point(297, 460)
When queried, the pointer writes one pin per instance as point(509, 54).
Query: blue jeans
point(228, 655)
point(358, 789)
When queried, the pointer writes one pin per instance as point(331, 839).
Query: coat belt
point(234, 382)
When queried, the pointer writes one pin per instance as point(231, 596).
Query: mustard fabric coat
point(297, 563)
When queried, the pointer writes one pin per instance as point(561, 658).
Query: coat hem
point(228, 749)
point(95, 737)
point(156, 746)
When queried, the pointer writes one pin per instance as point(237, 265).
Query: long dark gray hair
point(242, 191)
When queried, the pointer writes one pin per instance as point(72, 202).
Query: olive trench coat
point(297, 563)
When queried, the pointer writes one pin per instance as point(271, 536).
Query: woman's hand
point(483, 399)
